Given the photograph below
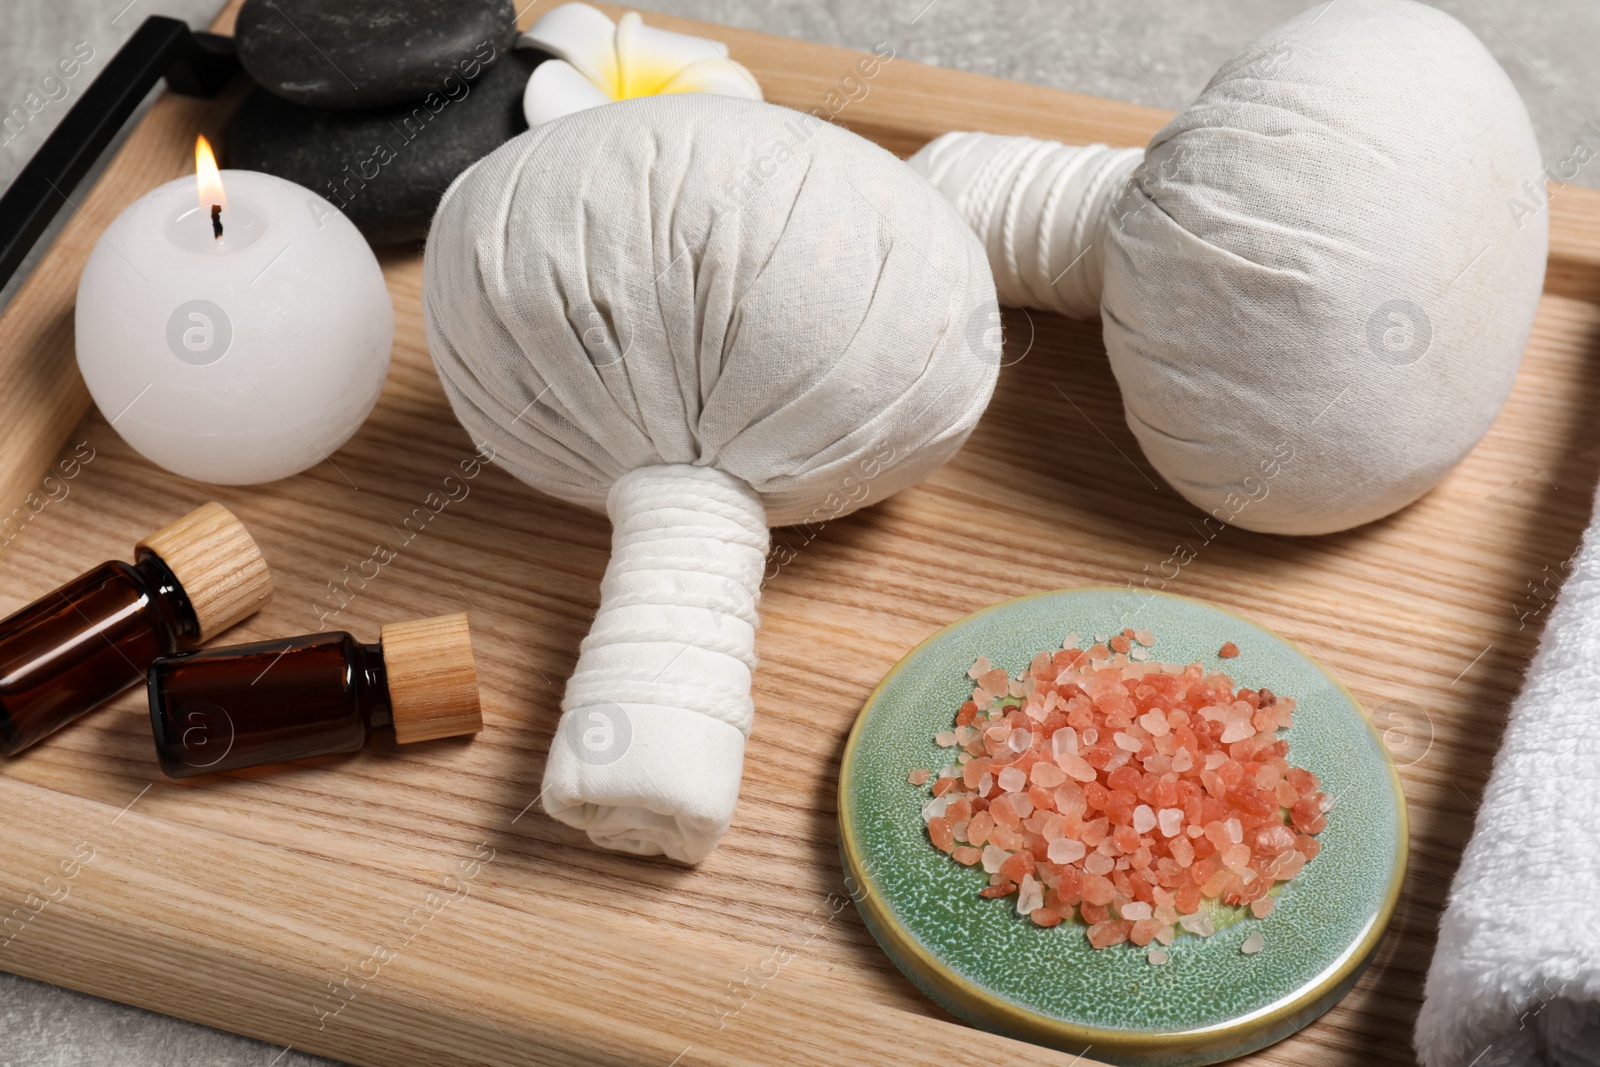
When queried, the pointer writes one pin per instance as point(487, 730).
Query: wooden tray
point(326, 907)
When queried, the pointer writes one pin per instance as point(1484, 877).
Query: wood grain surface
point(411, 905)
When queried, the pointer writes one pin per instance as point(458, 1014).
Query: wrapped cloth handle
point(1042, 210)
point(650, 747)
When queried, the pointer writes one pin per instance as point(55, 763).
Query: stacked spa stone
point(377, 105)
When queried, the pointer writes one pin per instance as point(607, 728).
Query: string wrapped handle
point(1042, 210)
point(650, 746)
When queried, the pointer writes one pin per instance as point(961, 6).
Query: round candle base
point(235, 359)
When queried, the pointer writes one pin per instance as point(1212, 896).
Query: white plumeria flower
point(598, 61)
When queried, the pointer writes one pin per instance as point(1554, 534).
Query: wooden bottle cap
point(433, 684)
point(217, 563)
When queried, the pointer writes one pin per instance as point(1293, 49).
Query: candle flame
point(207, 177)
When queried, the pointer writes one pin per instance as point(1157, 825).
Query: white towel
point(1516, 975)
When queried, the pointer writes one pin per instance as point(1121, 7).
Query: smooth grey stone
point(367, 53)
point(385, 168)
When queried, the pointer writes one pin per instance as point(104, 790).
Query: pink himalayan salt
point(1170, 820)
point(1047, 775)
point(1064, 851)
point(1030, 896)
point(1182, 803)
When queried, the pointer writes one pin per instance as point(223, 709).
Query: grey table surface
point(1157, 52)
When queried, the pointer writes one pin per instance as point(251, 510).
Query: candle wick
point(216, 220)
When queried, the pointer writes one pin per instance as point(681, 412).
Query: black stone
point(367, 53)
point(385, 168)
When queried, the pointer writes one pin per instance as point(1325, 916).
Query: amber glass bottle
point(77, 647)
point(272, 701)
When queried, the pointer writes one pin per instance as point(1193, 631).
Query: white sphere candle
point(234, 328)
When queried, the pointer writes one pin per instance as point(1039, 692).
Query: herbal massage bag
point(1315, 283)
point(706, 316)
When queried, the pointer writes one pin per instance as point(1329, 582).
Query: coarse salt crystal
point(1076, 767)
point(1157, 957)
point(1065, 850)
point(1170, 820)
point(979, 668)
point(1064, 740)
point(1237, 730)
point(1047, 775)
point(1144, 819)
point(1136, 910)
point(993, 857)
point(1011, 779)
point(1030, 896)
point(1253, 944)
point(1237, 858)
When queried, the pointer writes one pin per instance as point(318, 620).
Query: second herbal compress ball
point(1332, 255)
point(706, 315)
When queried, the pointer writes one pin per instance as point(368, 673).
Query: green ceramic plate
point(986, 964)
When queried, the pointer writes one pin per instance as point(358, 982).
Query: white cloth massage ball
point(706, 316)
point(1315, 283)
